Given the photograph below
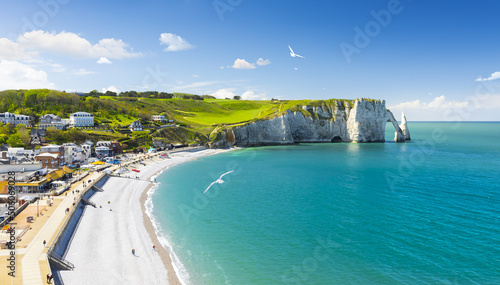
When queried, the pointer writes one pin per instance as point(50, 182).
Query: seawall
point(65, 235)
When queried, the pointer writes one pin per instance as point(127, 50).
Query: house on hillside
point(37, 136)
point(159, 118)
point(81, 119)
point(14, 119)
point(50, 120)
point(136, 126)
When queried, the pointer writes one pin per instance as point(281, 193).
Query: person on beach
point(48, 278)
point(154, 247)
point(133, 251)
point(44, 242)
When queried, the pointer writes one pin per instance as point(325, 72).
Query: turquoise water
point(421, 212)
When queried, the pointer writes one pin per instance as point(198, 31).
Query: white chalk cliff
point(404, 127)
point(337, 122)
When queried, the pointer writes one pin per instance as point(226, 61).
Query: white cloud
point(442, 109)
point(437, 103)
point(196, 75)
point(243, 64)
point(10, 50)
point(494, 76)
point(71, 44)
point(263, 62)
point(82, 72)
point(224, 93)
point(57, 67)
point(250, 95)
point(112, 89)
point(103, 60)
point(194, 85)
point(16, 75)
point(230, 93)
point(174, 42)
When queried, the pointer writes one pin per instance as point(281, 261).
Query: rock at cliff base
point(404, 127)
point(399, 137)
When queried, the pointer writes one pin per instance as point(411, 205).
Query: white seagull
point(220, 181)
point(293, 54)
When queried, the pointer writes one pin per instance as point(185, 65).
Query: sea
point(426, 211)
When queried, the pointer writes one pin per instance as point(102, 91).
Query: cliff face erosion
point(365, 121)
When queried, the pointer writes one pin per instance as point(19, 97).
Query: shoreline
point(166, 252)
point(123, 220)
point(173, 279)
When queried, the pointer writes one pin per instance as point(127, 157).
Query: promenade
point(32, 264)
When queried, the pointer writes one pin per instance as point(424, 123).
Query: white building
point(53, 148)
point(159, 118)
point(70, 152)
point(102, 151)
point(23, 120)
point(19, 154)
point(81, 119)
point(81, 156)
point(87, 149)
point(15, 119)
point(136, 126)
point(50, 120)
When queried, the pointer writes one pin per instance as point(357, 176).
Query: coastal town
point(47, 179)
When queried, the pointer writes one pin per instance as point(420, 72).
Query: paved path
point(36, 251)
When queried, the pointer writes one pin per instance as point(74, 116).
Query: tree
point(3, 138)
point(237, 97)
point(95, 93)
point(30, 99)
point(15, 141)
point(24, 135)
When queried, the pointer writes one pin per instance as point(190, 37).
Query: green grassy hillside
point(197, 117)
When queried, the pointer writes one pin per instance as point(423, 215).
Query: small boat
point(136, 170)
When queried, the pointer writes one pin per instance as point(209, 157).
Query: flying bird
point(293, 54)
point(220, 181)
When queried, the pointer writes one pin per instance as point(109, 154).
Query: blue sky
point(435, 60)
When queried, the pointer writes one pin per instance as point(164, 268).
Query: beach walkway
point(32, 265)
point(36, 253)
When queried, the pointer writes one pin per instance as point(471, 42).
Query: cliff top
point(198, 115)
